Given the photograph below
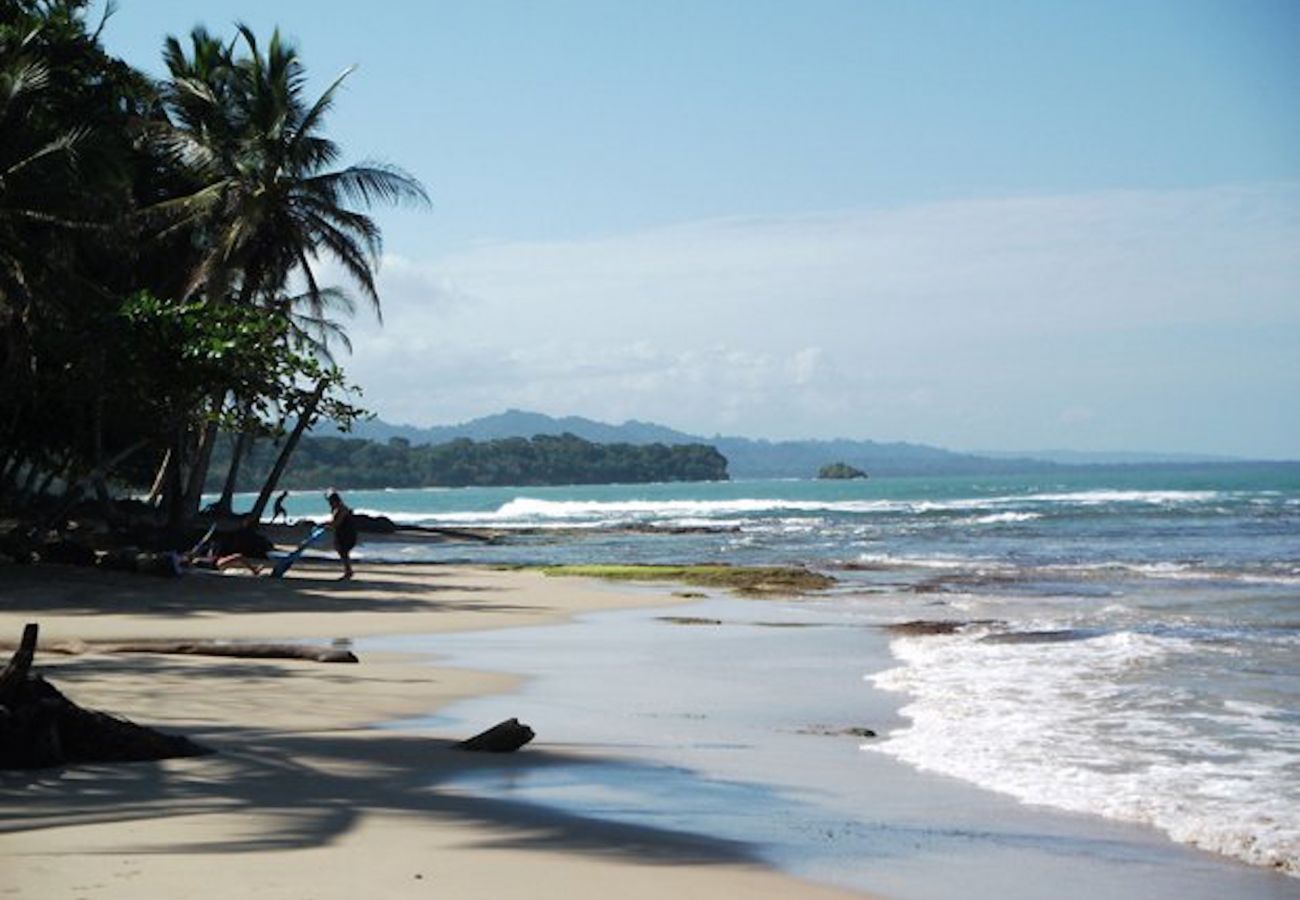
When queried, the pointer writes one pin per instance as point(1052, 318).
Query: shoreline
point(307, 795)
point(725, 740)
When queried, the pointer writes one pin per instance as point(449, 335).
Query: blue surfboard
point(287, 562)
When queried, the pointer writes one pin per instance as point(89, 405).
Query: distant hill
point(1110, 457)
point(359, 462)
point(751, 458)
point(746, 457)
point(519, 423)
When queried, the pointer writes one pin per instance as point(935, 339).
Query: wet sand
point(305, 796)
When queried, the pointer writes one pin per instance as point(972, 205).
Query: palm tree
point(64, 106)
point(268, 204)
point(27, 200)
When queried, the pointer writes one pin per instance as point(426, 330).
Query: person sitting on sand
point(205, 555)
point(279, 512)
point(212, 561)
point(345, 531)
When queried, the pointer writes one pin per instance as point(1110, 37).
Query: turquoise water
point(1229, 520)
point(1127, 641)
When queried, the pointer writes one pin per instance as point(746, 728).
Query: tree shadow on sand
point(47, 589)
point(307, 790)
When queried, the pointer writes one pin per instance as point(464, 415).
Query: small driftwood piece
point(240, 651)
point(15, 673)
point(39, 727)
point(504, 737)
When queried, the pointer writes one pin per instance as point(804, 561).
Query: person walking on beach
point(345, 531)
point(279, 511)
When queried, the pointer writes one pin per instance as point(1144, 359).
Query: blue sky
point(984, 225)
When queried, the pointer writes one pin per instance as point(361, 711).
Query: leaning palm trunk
point(198, 474)
point(305, 419)
point(199, 470)
point(225, 502)
point(160, 479)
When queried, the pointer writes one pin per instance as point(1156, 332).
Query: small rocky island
point(841, 471)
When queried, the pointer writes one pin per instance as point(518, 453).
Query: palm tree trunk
point(9, 473)
point(282, 461)
point(173, 498)
point(160, 479)
point(198, 473)
point(202, 460)
point(226, 501)
point(28, 485)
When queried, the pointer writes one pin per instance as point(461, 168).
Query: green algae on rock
point(750, 580)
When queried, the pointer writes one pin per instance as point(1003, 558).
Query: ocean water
point(1123, 642)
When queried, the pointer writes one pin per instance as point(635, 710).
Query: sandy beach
point(304, 798)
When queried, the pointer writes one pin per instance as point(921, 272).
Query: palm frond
point(373, 182)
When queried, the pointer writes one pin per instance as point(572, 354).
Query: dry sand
point(303, 798)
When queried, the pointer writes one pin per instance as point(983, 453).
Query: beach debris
point(504, 737)
point(790, 624)
point(338, 652)
point(235, 649)
point(1055, 636)
point(40, 728)
point(833, 731)
point(936, 626)
point(689, 620)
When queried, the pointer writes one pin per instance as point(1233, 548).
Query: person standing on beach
point(345, 531)
point(279, 511)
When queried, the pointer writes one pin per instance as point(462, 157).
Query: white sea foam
point(1002, 518)
point(1080, 725)
point(1094, 497)
point(995, 509)
point(946, 563)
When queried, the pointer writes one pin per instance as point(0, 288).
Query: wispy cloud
point(971, 323)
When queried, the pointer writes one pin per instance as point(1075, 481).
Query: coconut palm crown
point(267, 203)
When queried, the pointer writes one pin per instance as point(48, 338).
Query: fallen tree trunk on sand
point(207, 648)
point(504, 737)
point(240, 651)
point(39, 727)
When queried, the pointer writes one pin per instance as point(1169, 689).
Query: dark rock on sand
point(368, 524)
point(832, 731)
point(1059, 636)
point(924, 626)
point(689, 620)
point(935, 626)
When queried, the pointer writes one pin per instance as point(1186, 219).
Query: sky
point(997, 225)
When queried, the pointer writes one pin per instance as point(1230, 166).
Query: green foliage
point(351, 463)
point(149, 236)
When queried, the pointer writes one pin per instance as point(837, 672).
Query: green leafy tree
point(269, 203)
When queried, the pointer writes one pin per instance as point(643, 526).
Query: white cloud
point(971, 323)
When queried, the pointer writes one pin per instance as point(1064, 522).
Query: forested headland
point(321, 462)
point(160, 251)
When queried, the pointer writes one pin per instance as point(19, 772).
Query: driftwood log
point(504, 737)
point(241, 651)
point(202, 648)
point(39, 727)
